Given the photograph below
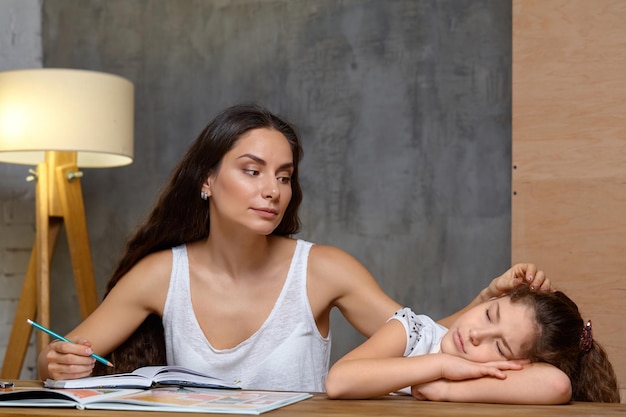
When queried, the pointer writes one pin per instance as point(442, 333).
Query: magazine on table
point(172, 399)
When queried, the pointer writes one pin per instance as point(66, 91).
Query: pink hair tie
point(586, 338)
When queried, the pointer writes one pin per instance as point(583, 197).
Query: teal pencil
point(58, 336)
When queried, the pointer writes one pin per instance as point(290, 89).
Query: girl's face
point(252, 186)
point(495, 330)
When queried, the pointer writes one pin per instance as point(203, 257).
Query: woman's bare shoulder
point(327, 263)
point(331, 256)
point(153, 270)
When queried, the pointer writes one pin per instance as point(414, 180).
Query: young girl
point(504, 333)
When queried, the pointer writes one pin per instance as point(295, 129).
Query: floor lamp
point(60, 120)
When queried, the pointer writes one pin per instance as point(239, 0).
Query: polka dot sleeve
point(412, 325)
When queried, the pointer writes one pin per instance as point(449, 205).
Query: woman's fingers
point(69, 360)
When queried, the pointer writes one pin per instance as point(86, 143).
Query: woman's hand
point(518, 274)
point(69, 360)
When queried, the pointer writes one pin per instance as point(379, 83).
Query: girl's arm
point(516, 275)
point(537, 383)
point(377, 367)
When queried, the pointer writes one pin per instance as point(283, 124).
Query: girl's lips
point(458, 341)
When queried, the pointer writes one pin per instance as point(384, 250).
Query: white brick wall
point(18, 235)
point(20, 47)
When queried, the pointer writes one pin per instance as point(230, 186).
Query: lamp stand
point(58, 200)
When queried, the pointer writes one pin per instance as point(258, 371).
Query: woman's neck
point(237, 257)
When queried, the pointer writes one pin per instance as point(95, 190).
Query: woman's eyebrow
point(253, 157)
point(261, 161)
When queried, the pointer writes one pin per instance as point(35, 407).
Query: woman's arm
point(377, 367)
point(516, 275)
point(141, 292)
point(537, 383)
point(337, 279)
point(337, 276)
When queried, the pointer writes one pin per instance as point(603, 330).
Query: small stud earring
point(204, 195)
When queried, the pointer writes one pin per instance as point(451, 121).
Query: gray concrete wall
point(403, 106)
point(20, 47)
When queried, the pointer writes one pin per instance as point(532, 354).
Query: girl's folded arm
point(537, 383)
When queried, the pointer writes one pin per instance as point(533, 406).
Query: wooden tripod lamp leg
point(71, 196)
point(42, 216)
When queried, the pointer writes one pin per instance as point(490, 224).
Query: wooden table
point(386, 406)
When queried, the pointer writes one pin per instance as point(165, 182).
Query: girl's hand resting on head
point(518, 274)
point(69, 360)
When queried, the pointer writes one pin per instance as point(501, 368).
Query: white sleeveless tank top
point(286, 353)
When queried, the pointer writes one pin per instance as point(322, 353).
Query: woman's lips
point(266, 212)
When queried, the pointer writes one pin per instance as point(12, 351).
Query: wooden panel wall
point(569, 155)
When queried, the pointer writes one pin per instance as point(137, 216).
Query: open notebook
point(146, 377)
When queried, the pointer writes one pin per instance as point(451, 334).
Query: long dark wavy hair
point(561, 341)
point(180, 216)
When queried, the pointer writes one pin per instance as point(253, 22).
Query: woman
point(212, 279)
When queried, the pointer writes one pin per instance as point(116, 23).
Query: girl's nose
point(477, 335)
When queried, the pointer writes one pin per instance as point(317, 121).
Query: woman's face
point(495, 330)
point(252, 186)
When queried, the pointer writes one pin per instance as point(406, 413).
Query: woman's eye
point(251, 172)
point(284, 180)
point(488, 316)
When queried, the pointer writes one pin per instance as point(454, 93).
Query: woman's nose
point(270, 190)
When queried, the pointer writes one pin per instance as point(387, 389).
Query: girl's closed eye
point(498, 347)
point(500, 351)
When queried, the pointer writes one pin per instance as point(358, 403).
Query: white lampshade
point(48, 109)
